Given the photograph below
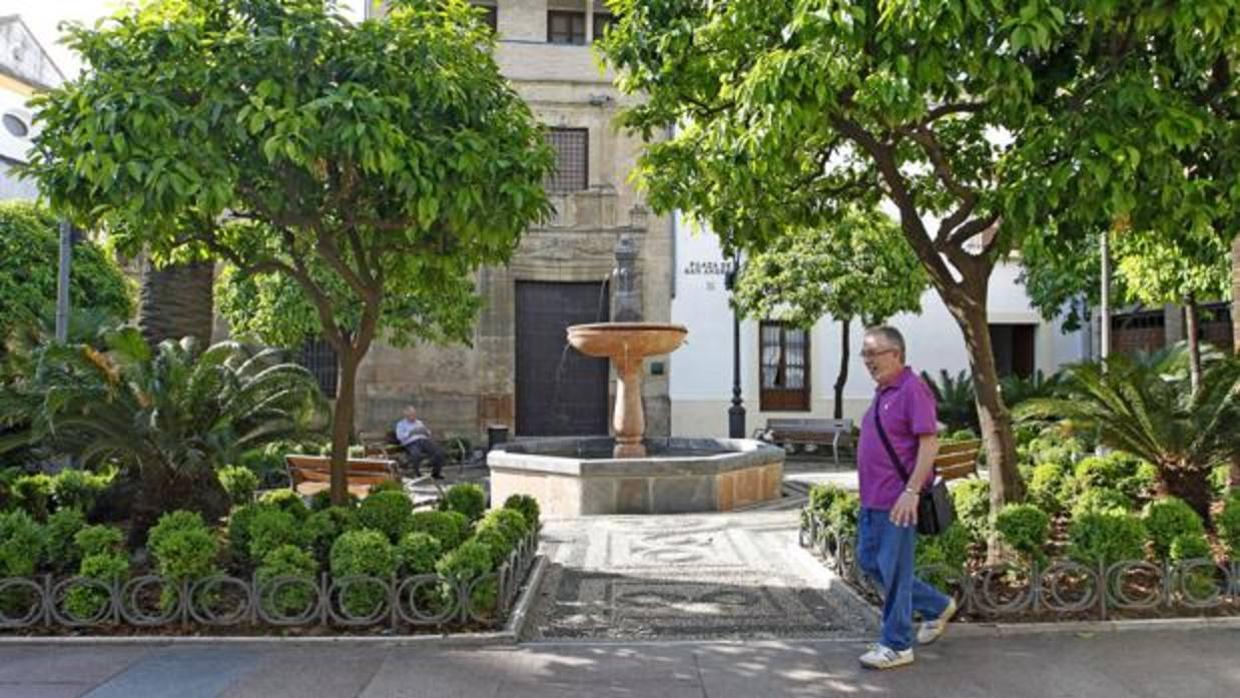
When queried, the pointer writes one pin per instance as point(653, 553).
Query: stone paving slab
point(688, 576)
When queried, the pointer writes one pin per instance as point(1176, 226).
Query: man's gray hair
point(890, 335)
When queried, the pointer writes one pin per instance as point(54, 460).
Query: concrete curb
point(1091, 626)
point(508, 636)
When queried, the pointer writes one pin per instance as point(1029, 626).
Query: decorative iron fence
point(223, 600)
point(1063, 587)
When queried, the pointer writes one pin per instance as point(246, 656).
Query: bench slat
point(955, 459)
point(959, 447)
point(310, 474)
point(954, 472)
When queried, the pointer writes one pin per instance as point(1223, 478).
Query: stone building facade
point(518, 371)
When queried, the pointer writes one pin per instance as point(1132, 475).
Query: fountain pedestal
point(629, 421)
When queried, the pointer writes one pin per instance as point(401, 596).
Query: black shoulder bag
point(934, 506)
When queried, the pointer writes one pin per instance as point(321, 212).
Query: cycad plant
point(956, 403)
point(1145, 406)
point(1017, 390)
point(168, 416)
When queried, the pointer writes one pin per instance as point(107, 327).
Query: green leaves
point(858, 266)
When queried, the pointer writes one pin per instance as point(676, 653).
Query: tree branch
point(897, 189)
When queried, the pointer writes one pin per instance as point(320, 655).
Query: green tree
point(856, 267)
point(364, 171)
point(1182, 269)
point(29, 240)
point(963, 113)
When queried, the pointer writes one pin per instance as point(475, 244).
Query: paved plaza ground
point(1196, 664)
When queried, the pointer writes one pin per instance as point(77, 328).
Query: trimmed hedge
point(466, 498)
point(1167, 519)
point(363, 552)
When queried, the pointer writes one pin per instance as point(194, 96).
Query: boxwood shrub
point(1024, 527)
point(1106, 537)
point(59, 551)
point(287, 500)
point(466, 498)
point(1168, 518)
point(324, 527)
point(363, 552)
point(971, 498)
point(461, 567)
point(84, 602)
point(451, 528)
point(527, 505)
point(292, 599)
point(1228, 524)
point(418, 552)
point(74, 488)
point(950, 549)
point(272, 528)
point(239, 482)
point(387, 511)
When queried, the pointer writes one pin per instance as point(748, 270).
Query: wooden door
point(560, 392)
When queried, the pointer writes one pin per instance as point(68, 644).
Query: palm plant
point(169, 416)
point(1017, 390)
point(956, 402)
point(1145, 405)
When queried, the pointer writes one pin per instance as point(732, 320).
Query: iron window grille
point(572, 148)
point(319, 358)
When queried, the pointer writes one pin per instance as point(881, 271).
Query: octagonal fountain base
point(575, 476)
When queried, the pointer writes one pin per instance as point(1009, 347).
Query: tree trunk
point(163, 489)
point(1233, 476)
point(994, 419)
point(1194, 344)
point(342, 422)
point(176, 301)
point(1190, 484)
point(842, 377)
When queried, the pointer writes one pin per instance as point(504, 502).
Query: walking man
point(415, 438)
point(887, 531)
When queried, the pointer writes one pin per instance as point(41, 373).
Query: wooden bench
point(802, 430)
point(957, 459)
point(311, 474)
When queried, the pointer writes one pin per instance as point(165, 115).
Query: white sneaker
point(931, 630)
point(883, 657)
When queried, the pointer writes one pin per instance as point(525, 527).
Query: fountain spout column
point(629, 420)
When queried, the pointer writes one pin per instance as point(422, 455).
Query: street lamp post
point(736, 413)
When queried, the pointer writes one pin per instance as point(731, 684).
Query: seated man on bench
point(415, 438)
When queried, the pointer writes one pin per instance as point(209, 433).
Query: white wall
point(701, 370)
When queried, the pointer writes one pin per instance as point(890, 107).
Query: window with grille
point(564, 27)
point(490, 15)
point(318, 357)
point(602, 20)
point(784, 353)
point(571, 153)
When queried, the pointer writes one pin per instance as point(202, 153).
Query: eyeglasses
point(868, 354)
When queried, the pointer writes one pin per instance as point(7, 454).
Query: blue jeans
point(885, 553)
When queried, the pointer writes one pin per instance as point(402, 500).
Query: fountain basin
point(617, 340)
point(576, 476)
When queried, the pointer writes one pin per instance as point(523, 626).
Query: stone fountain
point(632, 473)
point(627, 342)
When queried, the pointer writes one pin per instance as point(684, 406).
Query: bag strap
point(882, 434)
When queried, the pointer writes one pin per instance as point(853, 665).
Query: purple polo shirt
point(909, 411)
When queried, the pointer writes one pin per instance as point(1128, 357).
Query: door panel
point(560, 392)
